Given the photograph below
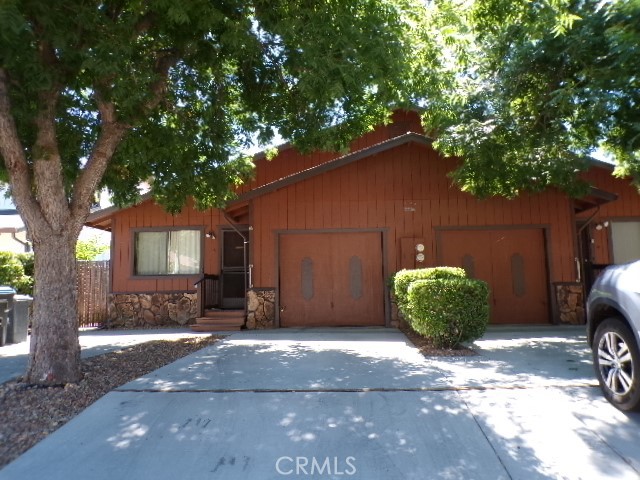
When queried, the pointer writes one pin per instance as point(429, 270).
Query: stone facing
point(136, 310)
point(140, 310)
point(570, 300)
point(261, 308)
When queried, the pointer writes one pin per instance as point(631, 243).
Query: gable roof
point(102, 218)
point(342, 161)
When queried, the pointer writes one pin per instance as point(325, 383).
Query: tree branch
point(112, 131)
point(47, 164)
point(111, 134)
point(15, 160)
point(164, 62)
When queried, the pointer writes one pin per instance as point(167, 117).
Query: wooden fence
point(93, 286)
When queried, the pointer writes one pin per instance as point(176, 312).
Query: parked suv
point(613, 330)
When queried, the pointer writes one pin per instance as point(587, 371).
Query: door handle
point(282, 308)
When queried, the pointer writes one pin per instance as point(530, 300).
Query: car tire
point(616, 359)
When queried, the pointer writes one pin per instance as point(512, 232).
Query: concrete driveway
point(352, 403)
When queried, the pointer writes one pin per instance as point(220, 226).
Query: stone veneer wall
point(135, 310)
point(570, 303)
point(397, 319)
point(261, 308)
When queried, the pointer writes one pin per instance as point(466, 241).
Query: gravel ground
point(30, 413)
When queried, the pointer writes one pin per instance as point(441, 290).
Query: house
point(13, 233)
point(313, 240)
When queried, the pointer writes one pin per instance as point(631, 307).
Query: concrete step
point(215, 328)
point(219, 321)
point(223, 313)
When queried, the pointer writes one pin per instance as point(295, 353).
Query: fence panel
point(93, 286)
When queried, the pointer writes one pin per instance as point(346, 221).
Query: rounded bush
point(12, 273)
point(449, 310)
point(404, 278)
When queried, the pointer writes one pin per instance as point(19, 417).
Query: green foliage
point(449, 310)
point(404, 278)
point(27, 263)
point(318, 73)
point(540, 85)
point(12, 272)
point(90, 249)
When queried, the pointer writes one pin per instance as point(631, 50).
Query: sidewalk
point(14, 357)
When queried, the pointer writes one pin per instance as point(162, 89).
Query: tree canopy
point(110, 93)
point(541, 85)
point(91, 248)
point(187, 85)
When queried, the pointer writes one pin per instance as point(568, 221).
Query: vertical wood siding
point(148, 214)
point(407, 191)
point(626, 207)
point(289, 161)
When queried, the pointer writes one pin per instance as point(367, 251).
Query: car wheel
point(617, 362)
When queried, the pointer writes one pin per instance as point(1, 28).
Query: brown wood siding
point(626, 207)
point(150, 215)
point(407, 191)
point(289, 161)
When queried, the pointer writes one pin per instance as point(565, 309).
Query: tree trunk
point(55, 350)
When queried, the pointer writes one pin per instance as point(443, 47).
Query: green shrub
point(27, 263)
point(12, 273)
point(90, 249)
point(449, 310)
point(404, 278)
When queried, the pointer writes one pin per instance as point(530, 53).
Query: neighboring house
point(13, 234)
point(313, 240)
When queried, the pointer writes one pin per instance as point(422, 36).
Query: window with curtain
point(173, 252)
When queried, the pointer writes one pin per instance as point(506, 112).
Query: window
point(626, 241)
point(173, 252)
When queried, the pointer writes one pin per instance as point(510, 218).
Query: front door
point(234, 272)
point(331, 279)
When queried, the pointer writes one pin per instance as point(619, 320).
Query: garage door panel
point(512, 262)
point(331, 279)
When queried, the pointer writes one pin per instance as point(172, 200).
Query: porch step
point(219, 320)
point(220, 314)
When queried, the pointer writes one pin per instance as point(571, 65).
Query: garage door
point(513, 262)
point(331, 279)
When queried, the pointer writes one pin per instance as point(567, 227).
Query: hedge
point(404, 278)
point(449, 310)
point(16, 270)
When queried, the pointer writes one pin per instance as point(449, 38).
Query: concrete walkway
point(352, 403)
point(14, 356)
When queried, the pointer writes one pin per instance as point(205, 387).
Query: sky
point(5, 203)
